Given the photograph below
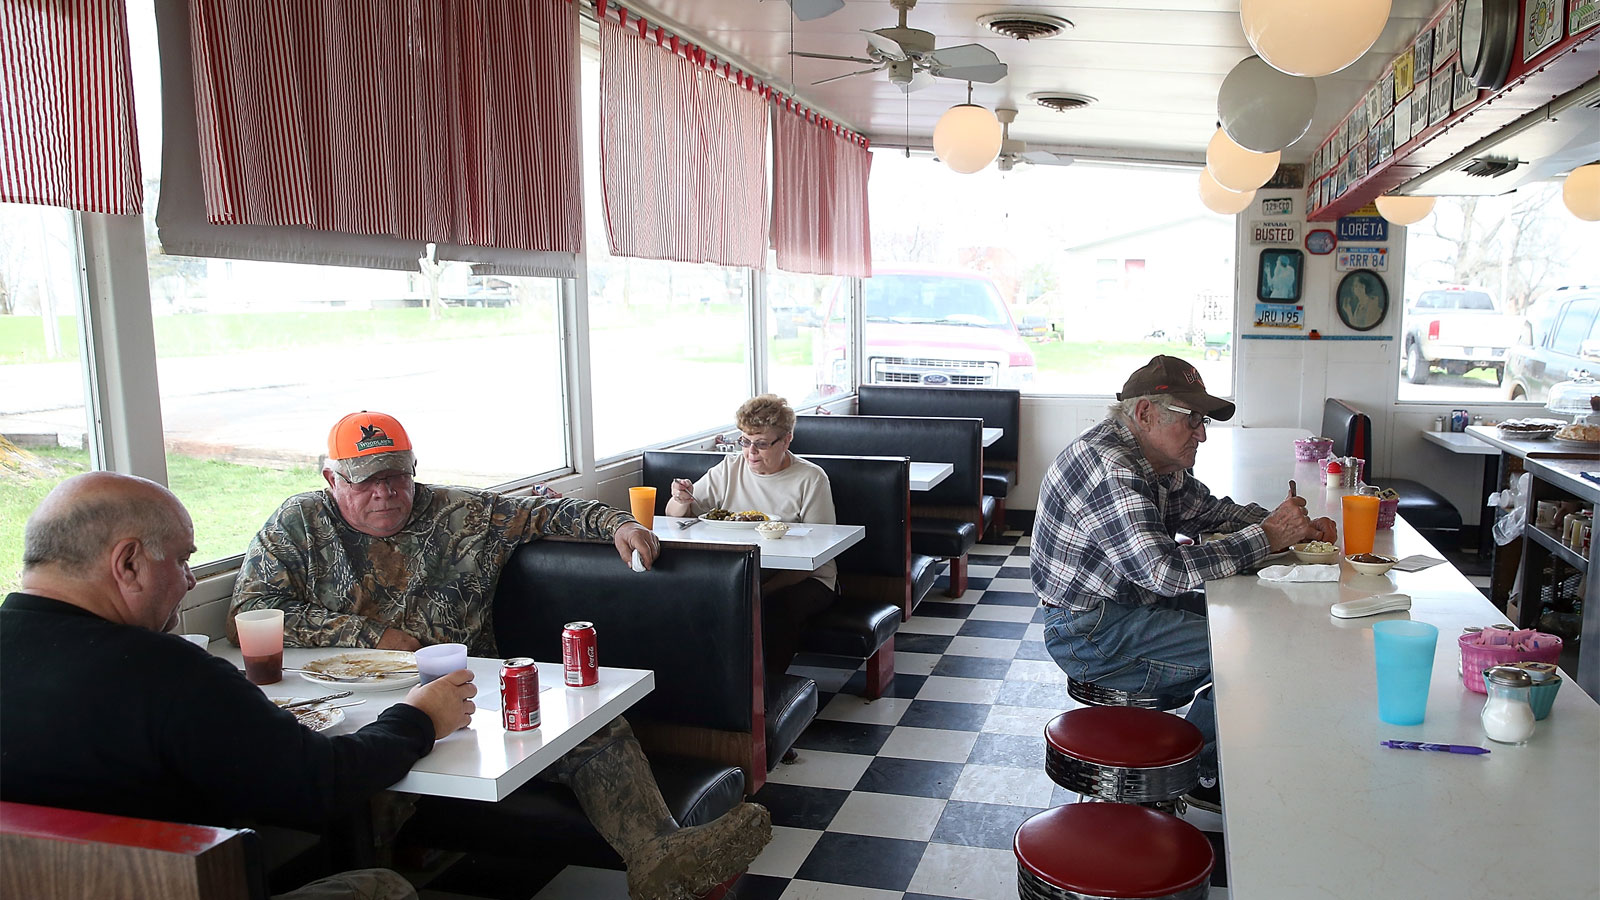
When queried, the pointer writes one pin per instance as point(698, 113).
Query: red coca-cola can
point(519, 694)
point(579, 655)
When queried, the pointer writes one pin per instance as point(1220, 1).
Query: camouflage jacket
point(434, 580)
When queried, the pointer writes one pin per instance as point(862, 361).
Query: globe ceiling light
point(967, 137)
point(1262, 109)
point(1405, 210)
point(1236, 169)
point(1581, 192)
point(1312, 38)
point(1219, 199)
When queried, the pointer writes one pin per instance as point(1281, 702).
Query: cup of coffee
point(440, 660)
point(261, 642)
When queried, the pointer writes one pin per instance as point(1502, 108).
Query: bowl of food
point(772, 530)
point(1316, 553)
point(1371, 563)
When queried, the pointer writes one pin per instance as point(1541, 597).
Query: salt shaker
point(1507, 715)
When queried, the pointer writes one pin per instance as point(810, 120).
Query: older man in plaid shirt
point(1119, 591)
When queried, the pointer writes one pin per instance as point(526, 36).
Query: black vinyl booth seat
point(997, 407)
point(945, 521)
point(875, 576)
point(1423, 507)
point(693, 619)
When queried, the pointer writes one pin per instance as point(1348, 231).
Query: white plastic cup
point(261, 644)
point(440, 660)
point(199, 640)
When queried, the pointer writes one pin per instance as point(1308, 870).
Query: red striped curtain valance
point(820, 224)
point(67, 134)
point(451, 121)
point(682, 155)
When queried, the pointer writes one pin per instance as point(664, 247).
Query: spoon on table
point(316, 701)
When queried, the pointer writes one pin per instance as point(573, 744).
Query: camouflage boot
point(618, 793)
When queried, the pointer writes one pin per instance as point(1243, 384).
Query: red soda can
point(579, 655)
point(519, 694)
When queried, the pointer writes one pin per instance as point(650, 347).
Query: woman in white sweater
point(765, 476)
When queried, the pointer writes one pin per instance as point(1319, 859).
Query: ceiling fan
point(909, 56)
point(1013, 152)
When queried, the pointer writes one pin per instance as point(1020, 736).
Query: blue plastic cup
point(1404, 652)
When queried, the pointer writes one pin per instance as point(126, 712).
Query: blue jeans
point(1147, 649)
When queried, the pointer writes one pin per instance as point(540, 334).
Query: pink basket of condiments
point(1494, 646)
point(1312, 449)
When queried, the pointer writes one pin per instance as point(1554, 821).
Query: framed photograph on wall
point(1280, 276)
point(1362, 300)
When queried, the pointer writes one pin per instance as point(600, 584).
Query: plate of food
point(743, 520)
point(1579, 435)
point(316, 718)
point(363, 670)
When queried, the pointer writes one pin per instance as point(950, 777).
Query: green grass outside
point(227, 501)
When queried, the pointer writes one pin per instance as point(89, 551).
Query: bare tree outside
point(1516, 247)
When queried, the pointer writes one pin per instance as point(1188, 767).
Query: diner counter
point(1313, 806)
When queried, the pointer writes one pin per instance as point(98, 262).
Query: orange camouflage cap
point(362, 444)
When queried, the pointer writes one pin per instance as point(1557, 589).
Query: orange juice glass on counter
point(643, 503)
point(1360, 524)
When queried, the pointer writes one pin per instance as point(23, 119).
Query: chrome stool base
point(1092, 694)
point(1032, 887)
point(1120, 784)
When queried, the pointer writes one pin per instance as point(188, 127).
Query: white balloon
point(1312, 38)
point(1236, 169)
point(1581, 192)
point(967, 138)
point(1219, 199)
point(1262, 109)
point(1403, 210)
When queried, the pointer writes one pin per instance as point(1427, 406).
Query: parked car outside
point(929, 327)
point(1456, 328)
point(1561, 341)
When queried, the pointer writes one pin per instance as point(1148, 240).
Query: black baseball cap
point(1177, 378)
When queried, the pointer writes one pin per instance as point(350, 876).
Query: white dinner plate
point(357, 662)
point(318, 718)
point(737, 526)
point(1570, 442)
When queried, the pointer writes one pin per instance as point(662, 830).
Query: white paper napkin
point(1416, 563)
point(1287, 574)
point(638, 564)
point(797, 531)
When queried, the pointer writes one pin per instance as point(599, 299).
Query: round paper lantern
point(1236, 169)
point(967, 138)
point(1581, 192)
point(1311, 38)
point(1219, 199)
point(1405, 210)
point(1262, 109)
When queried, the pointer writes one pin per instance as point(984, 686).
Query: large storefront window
point(1049, 279)
point(257, 360)
point(44, 425)
point(808, 346)
point(1498, 293)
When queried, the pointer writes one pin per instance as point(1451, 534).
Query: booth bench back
point(997, 407)
point(955, 441)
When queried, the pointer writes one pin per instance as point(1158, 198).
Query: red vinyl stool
point(1092, 694)
point(1123, 754)
point(1111, 851)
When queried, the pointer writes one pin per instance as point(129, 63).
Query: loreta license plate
point(1280, 315)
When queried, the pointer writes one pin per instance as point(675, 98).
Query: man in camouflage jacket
point(378, 560)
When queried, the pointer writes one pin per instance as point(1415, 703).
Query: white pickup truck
point(1456, 329)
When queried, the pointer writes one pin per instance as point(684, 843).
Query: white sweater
point(797, 494)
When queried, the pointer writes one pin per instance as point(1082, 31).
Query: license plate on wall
point(1280, 315)
point(1374, 258)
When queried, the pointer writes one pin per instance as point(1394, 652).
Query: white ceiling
point(1154, 67)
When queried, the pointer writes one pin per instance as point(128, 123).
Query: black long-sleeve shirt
point(118, 719)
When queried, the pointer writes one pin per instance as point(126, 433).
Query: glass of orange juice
point(643, 501)
point(1360, 524)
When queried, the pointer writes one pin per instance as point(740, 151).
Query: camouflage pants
point(360, 884)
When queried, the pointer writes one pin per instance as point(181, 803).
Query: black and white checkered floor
point(914, 796)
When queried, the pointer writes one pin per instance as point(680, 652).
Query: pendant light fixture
point(1404, 210)
point(1581, 192)
point(1312, 38)
point(1235, 168)
point(1219, 199)
point(967, 137)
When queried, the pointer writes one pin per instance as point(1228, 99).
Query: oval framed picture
point(1362, 300)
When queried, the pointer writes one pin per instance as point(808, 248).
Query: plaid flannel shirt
point(1106, 523)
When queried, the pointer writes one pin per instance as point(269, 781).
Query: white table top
point(1313, 806)
point(926, 475)
point(797, 553)
point(990, 435)
point(482, 761)
point(1460, 442)
point(1489, 434)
